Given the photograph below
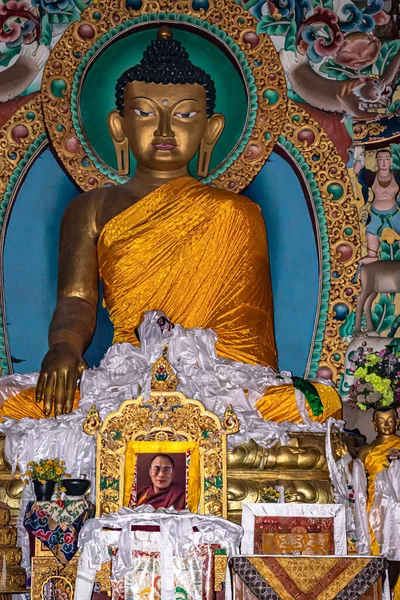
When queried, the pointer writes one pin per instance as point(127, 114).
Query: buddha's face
point(165, 124)
point(386, 423)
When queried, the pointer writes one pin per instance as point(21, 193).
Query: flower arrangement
point(271, 494)
point(47, 470)
point(377, 377)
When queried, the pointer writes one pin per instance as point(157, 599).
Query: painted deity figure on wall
point(380, 191)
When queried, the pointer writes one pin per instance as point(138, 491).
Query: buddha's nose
point(164, 128)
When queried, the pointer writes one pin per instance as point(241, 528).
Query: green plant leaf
point(63, 19)
point(47, 32)
point(332, 69)
point(394, 107)
point(395, 148)
point(81, 6)
point(290, 40)
point(6, 56)
point(383, 314)
point(387, 53)
point(270, 26)
point(347, 328)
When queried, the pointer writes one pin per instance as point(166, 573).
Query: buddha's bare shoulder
point(87, 202)
point(95, 208)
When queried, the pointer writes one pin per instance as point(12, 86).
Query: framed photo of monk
point(163, 475)
point(298, 529)
point(161, 480)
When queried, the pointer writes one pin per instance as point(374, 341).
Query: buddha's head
point(385, 421)
point(165, 111)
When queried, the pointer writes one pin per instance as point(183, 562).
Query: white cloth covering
point(124, 372)
point(350, 489)
point(384, 515)
point(175, 538)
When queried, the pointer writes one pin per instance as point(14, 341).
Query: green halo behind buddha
point(162, 241)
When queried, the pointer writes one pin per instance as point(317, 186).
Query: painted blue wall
point(30, 265)
point(293, 259)
point(30, 262)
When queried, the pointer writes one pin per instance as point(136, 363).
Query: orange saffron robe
point(375, 461)
point(200, 255)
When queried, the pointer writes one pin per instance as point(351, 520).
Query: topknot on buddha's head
point(166, 61)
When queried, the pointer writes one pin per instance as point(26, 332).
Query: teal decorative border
point(11, 189)
point(324, 257)
point(240, 56)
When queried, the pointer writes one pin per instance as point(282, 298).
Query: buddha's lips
point(160, 146)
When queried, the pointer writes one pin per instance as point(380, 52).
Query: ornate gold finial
point(163, 378)
point(230, 421)
point(164, 33)
point(93, 421)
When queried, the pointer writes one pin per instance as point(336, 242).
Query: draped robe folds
point(200, 255)
point(375, 461)
point(172, 496)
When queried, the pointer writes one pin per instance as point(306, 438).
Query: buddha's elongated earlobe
point(122, 152)
point(120, 142)
point(215, 127)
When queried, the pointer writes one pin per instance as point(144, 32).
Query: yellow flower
point(63, 462)
point(59, 471)
point(28, 473)
point(373, 359)
point(63, 489)
point(361, 372)
point(40, 470)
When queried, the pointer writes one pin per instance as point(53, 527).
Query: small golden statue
point(375, 456)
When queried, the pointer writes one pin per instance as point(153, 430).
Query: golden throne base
point(301, 468)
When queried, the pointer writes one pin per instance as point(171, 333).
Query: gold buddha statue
point(161, 241)
point(375, 455)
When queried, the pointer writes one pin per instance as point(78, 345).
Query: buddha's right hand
point(59, 374)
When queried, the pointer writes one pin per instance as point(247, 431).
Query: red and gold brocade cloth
point(288, 535)
point(192, 576)
point(304, 578)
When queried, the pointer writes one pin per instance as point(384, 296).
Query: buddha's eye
point(187, 115)
point(143, 113)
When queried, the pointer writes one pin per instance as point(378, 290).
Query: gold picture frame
point(168, 416)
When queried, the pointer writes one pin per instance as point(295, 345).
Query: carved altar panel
point(166, 416)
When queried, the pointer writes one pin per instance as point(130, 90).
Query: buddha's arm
point(74, 318)
point(364, 451)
